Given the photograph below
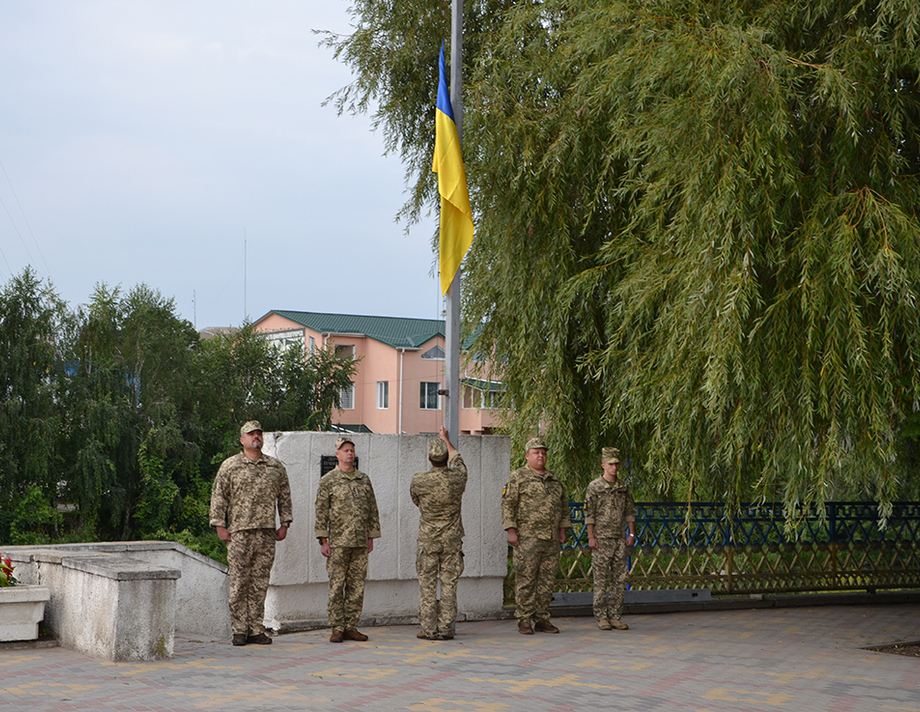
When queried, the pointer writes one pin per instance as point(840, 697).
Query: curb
point(754, 601)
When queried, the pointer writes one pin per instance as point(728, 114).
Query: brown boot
point(524, 627)
point(604, 624)
point(618, 624)
point(354, 634)
point(336, 637)
point(545, 627)
point(239, 639)
point(260, 639)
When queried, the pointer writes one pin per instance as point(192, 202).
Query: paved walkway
point(807, 659)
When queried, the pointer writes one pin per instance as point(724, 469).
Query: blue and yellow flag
point(456, 234)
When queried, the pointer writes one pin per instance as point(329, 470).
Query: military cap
point(437, 450)
point(250, 426)
point(342, 440)
point(610, 454)
point(535, 444)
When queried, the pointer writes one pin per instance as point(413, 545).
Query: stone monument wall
point(299, 584)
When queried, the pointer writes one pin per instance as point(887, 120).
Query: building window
point(383, 395)
point(311, 346)
point(480, 399)
point(347, 398)
point(345, 350)
point(428, 395)
point(493, 399)
point(434, 354)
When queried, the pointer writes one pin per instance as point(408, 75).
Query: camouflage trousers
point(347, 569)
point(250, 553)
point(536, 562)
point(608, 563)
point(433, 616)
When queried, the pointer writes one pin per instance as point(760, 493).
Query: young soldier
point(347, 522)
point(609, 509)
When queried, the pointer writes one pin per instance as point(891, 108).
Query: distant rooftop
point(398, 332)
point(212, 331)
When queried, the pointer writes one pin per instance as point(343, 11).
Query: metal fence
point(748, 551)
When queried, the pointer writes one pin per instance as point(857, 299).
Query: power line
point(28, 225)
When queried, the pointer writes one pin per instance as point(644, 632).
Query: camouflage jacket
point(609, 506)
point(346, 509)
point(535, 505)
point(246, 494)
point(438, 493)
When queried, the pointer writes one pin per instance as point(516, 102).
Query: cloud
point(147, 140)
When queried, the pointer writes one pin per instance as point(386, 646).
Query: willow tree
point(124, 417)
point(697, 230)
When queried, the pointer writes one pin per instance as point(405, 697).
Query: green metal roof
point(398, 332)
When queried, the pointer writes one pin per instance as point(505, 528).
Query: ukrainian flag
point(456, 234)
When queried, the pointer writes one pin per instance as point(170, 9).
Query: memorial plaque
point(327, 463)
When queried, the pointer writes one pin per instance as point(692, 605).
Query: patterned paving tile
point(728, 661)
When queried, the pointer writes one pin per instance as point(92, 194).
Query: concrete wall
point(299, 584)
point(200, 592)
point(104, 604)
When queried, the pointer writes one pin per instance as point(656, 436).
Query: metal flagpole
point(452, 326)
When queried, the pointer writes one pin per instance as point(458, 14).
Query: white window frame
point(347, 398)
point(383, 395)
point(425, 393)
point(492, 400)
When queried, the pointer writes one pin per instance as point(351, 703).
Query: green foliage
point(242, 377)
point(119, 412)
point(35, 521)
point(697, 229)
point(205, 543)
point(125, 400)
point(33, 331)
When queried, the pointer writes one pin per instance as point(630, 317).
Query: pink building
point(399, 372)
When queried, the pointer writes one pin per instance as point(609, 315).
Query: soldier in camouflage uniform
point(609, 510)
point(438, 493)
point(247, 491)
point(535, 515)
point(347, 522)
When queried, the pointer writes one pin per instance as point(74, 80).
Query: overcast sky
point(144, 141)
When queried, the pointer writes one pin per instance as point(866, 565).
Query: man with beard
point(248, 490)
